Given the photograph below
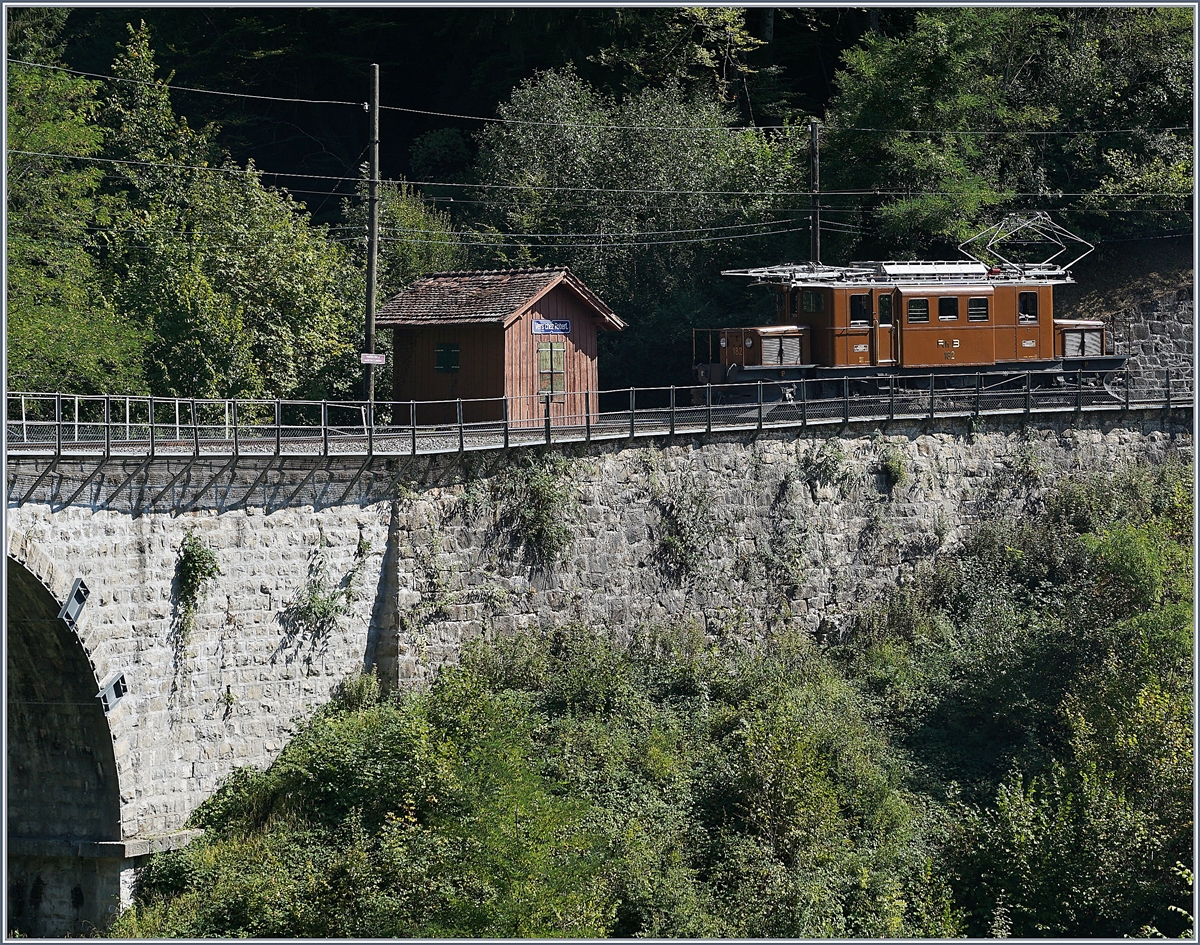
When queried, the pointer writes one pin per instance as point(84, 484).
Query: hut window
point(446, 358)
point(552, 367)
point(948, 308)
point(1027, 307)
point(977, 309)
point(885, 310)
point(918, 310)
point(860, 310)
point(812, 301)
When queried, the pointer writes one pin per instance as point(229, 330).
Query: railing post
point(803, 402)
point(196, 431)
point(845, 400)
point(177, 437)
point(547, 417)
point(370, 428)
point(58, 424)
point(632, 408)
point(587, 416)
point(1028, 393)
point(1126, 386)
point(325, 427)
point(1168, 394)
point(892, 398)
point(760, 405)
point(978, 391)
point(1079, 390)
point(708, 407)
point(75, 435)
point(107, 420)
point(24, 422)
point(412, 415)
point(278, 426)
point(672, 410)
point(461, 438)
point(127, 435)
point(237, 448)
point(150, 411)
point(932, 409)
point(504, 415)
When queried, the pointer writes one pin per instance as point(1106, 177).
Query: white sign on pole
point(373, 358)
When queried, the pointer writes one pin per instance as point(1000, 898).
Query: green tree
point(954, 119)
point(647, 198)
point(63, 332)
point(241, 294)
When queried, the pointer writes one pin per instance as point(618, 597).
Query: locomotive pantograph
point(891, 320)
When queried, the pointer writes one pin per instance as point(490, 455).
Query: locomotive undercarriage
point(823, 383)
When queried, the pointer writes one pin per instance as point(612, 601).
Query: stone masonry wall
point(1158, 335)
point(736, 536)
point(224, 694)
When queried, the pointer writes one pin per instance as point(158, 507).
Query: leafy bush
point(538, 506)
point(194, 569)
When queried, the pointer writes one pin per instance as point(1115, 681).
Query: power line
point(181, 88)
point(862, 192)
point(599, 125)
point(605, 245)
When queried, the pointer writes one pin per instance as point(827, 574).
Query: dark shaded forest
point(212, 245)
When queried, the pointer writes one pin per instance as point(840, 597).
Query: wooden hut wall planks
point(521, 334)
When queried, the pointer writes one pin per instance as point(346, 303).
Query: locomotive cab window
point(977, 309)
point(860, 311)
point(812, 301)
point(948, 308)
point(1027, 307)
point(445, 358)
point(885, 310)
point(918, 311)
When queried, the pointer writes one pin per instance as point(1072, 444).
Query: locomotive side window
point(977, 309)
point(1027, 307)
point(948, 308)
point(860, 310)
point(918, 310)
point(885, 310)
point(812, 301)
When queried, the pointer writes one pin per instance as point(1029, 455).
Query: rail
point(61, 425)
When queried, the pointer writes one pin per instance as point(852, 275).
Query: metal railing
point(68, 425)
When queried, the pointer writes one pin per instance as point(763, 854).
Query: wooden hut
point(499, 339)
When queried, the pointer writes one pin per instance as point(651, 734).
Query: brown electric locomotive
point(897, 319)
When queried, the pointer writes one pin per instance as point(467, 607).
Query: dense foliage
point(1003, 747)
point(648, 148)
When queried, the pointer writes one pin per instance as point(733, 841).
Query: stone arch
point(63, 783)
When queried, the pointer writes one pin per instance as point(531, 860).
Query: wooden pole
point(372, 233)
point(815, 212)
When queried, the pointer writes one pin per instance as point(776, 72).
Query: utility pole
point(814, 216)
point(372, 234)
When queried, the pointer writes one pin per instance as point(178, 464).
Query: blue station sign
point(543, 326)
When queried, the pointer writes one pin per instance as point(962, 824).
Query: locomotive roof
point(902, 272)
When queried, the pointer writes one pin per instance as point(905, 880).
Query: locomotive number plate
point(1030, 343)
point(860, 348)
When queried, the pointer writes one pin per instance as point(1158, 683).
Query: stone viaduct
point(331, 566)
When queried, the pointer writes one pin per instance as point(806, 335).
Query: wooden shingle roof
point(488, 296)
